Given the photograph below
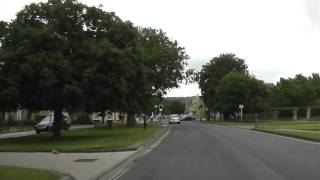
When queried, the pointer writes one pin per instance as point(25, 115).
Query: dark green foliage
point(298, 91)
point(236, 88)
point(80, 118)
point(214, 71)
point(286, 113)
point(63, 55)
point(173, 107)
point(302, 112)
point(315, 111)
point(225, 83)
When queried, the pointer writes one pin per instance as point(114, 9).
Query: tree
point(236, 88)
point(174, 107)
point(298, 91)
point(112, 63)
point(160, 66)
point(214, 71)
point(65, 55)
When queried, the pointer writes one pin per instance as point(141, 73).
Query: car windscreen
point(47, 119)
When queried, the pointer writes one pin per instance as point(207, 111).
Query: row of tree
point(63, 55)
point(297, 91)
point(225, 83)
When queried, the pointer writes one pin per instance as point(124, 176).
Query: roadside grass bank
point(18, 173)
point(119, 138)
point(308, 130)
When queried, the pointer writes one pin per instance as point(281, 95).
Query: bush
point(285, 113)
point(315, 111)
point(302, 112)
point(80, 118)
point(11, 119)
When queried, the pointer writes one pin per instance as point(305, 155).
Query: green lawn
point(19, 173)
point(299, 128)
point(83, 140)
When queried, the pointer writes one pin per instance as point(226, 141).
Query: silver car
point(46, 124)
point(174, 119)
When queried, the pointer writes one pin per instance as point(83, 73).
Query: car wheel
point(38, 132)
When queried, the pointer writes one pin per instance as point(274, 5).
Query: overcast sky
point(277, 38)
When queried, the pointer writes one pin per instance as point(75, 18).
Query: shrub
point(285, 113)
point(80, 118)
point(302, 112)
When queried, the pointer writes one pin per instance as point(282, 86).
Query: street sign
point(241, 106)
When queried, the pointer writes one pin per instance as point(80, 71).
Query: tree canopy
point(62, 54)
point(236, 88)
point(173, 107)
point(297, 91)
point(213, 72)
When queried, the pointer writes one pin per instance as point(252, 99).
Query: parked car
point(174, 119)
point(187, 117)
point(46, 123)
point(97, 118)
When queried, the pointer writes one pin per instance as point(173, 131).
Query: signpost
point(241, 106)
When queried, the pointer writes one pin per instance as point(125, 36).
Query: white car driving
point(174, 119)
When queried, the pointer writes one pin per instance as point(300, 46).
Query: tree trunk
point(29, 116)
point(58, 117)
point(109, 124)
point(131, 120)
point(103, 117)
point(145, 122)
point(2, 115)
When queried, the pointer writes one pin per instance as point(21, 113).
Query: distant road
point(200, 151)
point(28, 133)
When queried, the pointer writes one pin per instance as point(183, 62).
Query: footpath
point(81, 166)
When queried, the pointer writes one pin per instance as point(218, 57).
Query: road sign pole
point(241, 106)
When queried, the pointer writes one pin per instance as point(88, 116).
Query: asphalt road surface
point(199, 151)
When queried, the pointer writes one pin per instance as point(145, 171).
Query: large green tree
point(174, 107)
point(214, 71)
point(62, 54)
point(236, 88)
point(297, 91)
point(161, 66)
point(66, 55)
point(112, 58)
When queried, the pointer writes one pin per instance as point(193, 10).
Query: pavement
point(28, 133)
point(81, 166)
point(195, 150)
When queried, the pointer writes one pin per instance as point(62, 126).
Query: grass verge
point(301, 134)
point(119, 138)
point(18, 173)
point(308, 130)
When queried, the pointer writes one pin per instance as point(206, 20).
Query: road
point(201, 151)
point(28, 133)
